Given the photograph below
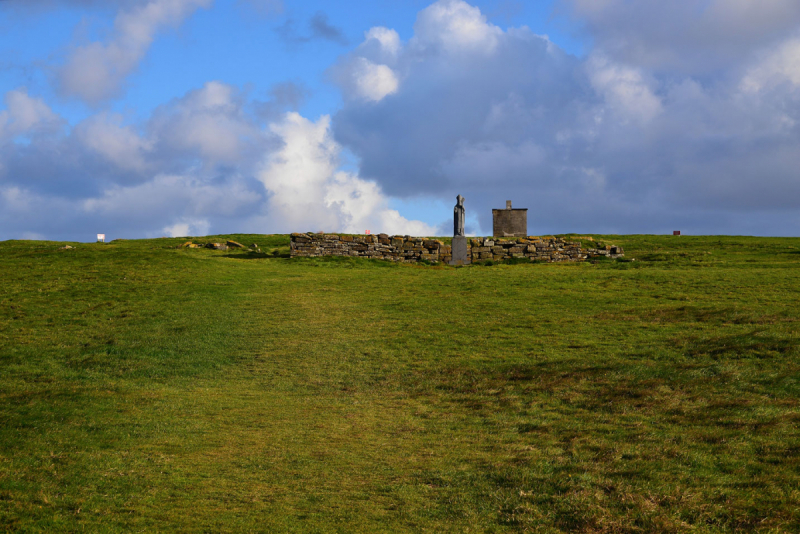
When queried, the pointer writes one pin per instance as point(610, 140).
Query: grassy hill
point(146, 387)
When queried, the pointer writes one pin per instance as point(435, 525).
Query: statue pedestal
point(460, 252)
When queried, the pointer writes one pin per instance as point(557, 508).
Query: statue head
point(459, 200)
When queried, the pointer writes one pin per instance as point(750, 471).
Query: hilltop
point(145, 386)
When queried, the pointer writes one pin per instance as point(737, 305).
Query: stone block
point(460, 252)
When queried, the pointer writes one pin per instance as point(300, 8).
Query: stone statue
point(458, 217)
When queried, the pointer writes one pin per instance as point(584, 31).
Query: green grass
point(149, 388)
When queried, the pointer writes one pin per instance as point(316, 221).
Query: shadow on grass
point(756, 344)
point(257, 255)
point(347, 262)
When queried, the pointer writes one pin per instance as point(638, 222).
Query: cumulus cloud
point(623, 140)
point(456, 27)
point(367, 73)
point(97, 71)
point(687, 36)
point(680, 116)
point(210, 123)
point(25, 114)
point(388, 40)
point(371, 81)
point(187, 228)
point(120, 145)
point(307, 192)
point(174, 198)
point(200, 163)
point(188, 168)
point(624, 89)
point(774, 67)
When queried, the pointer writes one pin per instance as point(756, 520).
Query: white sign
point(101, 238)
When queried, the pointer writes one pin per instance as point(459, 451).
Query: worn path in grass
point(144, 387)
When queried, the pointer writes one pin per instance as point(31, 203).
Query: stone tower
point(510, 222)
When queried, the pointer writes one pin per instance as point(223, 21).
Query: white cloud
point(367, 73)
point(682, 115)
point(96, 71)
point(121, 145)
point(621, 140)
point(209, 121)
point(373, 82)
point(695, 37)
point(455, 26)
point(778, 65)
point(308, 193)
point(25, 114)
point(624, 89)
point(193, 167)
point(185, 196)
point(192, 227)
point(388, 39)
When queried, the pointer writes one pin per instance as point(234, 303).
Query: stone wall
point(414, 249)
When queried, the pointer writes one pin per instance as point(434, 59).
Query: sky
point(149, 118)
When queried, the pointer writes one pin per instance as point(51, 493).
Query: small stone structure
point(409, 249)
point(510, 222)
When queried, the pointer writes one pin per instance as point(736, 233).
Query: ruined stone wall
point(414, 249)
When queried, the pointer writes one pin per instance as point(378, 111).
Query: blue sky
point(181, 117)
point(235, 41)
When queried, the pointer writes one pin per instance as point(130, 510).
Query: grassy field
point(149, 388)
